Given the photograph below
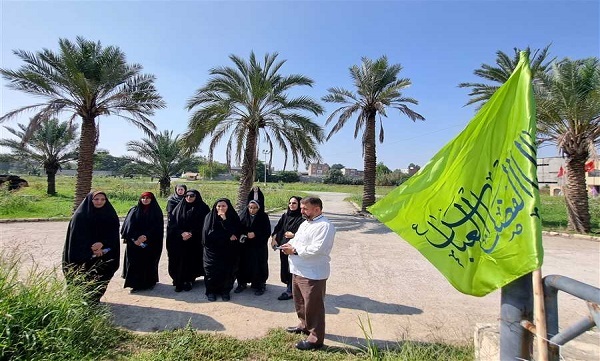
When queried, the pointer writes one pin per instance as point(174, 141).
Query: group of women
point(216, 243)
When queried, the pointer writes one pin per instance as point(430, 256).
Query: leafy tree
point(337, 166)
point(160, 155)
point(382, 169)
point(499, 74)
point(51, 145)
point(378, 88)
point(209, 170)
point(288, 176)
point(335, 176)
point(568, 113)
point(251, 101)
point(87, 80)
point(103, 160)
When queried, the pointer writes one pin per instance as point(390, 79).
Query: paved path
point(375, 274)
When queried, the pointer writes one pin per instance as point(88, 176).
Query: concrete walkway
point(375, 275)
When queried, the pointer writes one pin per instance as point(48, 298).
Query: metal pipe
point(573, 287)
point(573, 331)
point(516, 304)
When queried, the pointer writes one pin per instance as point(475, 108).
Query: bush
point(41, 319)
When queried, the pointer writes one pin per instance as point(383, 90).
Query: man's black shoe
point(297, 330)
point(211, 297)
point(240, 288)
point(305, 345)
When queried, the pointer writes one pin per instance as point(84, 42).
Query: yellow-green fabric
point(473, 210)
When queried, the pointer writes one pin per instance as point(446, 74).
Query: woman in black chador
point(92, 249)
point(175, 198)
point(222, 230)
point(142, 231)
point(254, 250)
point(184, 240)
point(284, 231)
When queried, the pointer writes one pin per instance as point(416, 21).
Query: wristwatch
point(295, 252)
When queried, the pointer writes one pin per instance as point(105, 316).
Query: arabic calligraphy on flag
point(473, 210)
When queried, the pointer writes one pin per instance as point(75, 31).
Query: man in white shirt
point(309, 264)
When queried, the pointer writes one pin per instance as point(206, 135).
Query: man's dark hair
point(313, 201)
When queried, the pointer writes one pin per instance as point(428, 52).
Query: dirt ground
point(375, 275)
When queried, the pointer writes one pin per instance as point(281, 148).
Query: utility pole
point(265, 152)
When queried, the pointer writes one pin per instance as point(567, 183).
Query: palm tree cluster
point(160, 155)
point(51, 145)
point(85, 80)
point(567, 94)
point(249, 103)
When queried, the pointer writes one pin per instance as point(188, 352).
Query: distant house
point(551, 172)
point(353, 173)
point(318, 169)
point(190, 176)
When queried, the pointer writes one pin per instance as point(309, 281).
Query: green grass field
point(33, 202)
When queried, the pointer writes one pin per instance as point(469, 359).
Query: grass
point(123, 193)
point(41, 319)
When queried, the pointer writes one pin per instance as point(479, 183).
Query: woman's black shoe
point(240, 288)
point(178, 288)
point(226, 296)
point(285, 296)
point(211, 297)
point(187, 286)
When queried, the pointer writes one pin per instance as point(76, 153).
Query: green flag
point(473, 210)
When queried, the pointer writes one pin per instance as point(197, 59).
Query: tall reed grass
point(42, 319)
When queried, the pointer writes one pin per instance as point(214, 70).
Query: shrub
point(41, 319)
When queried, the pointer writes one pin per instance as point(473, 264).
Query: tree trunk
point(85, 163)
point(51, 180)
point(51, 166)
point(165, 186)
point(370, 163)
point(248, 166)
point(576, 195)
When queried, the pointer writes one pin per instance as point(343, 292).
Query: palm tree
point(160, 155)
point(51, 145)
point(87, 80)
point(248, 101)
point(482, 92)
point(377, 88)
point(568, 113)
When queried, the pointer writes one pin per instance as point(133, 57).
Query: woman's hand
point(186, 235)
point(98, 253)
point(273, 242)
point(97, 246)
point(233, 237)
point(251, 235)
point(289, 235)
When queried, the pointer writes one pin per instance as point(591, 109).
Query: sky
point(438, 43)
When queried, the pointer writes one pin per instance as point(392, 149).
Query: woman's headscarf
point(175, 198)
point(152, 211)
point(190, 211)
point(257, 195)
point(212, 219)
point(295, 212)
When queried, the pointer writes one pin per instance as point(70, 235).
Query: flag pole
point(540, 315)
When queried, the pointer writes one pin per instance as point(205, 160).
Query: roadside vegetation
point(123, 193)
point(41, 319)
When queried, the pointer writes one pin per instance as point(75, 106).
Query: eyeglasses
point(190, 196)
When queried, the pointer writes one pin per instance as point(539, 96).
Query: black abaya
point(220, 251)
point(89, 225)
point(140, 265)
point(185, 257)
